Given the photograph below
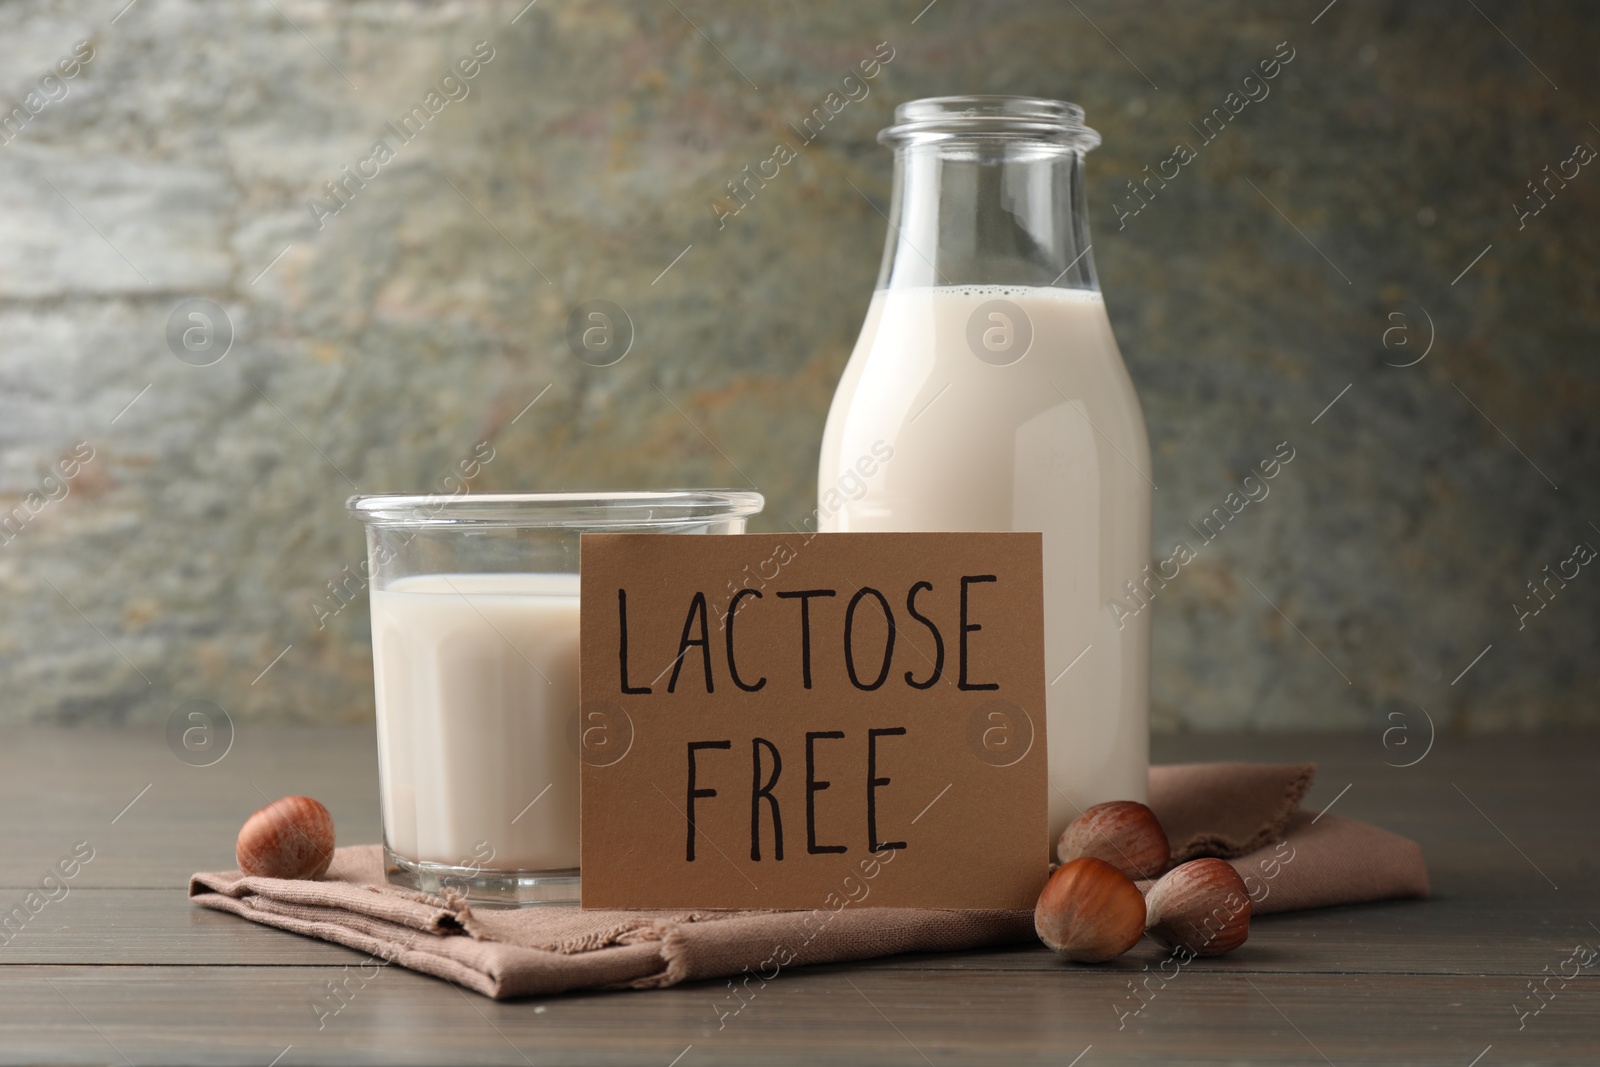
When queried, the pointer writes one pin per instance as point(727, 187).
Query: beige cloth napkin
point(1248, 813)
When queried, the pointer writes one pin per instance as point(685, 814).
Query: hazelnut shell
point(290, 838)
point(1124, 833)
point(1201, 906)
point(1089, 911)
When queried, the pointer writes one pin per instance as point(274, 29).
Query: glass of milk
point(987, 373)
point(475, 665)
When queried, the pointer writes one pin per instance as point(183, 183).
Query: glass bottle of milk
point(988, 373)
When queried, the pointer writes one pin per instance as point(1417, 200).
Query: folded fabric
point(1247, 813)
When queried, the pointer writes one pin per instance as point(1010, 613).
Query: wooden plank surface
point(124, 969)
point(175, 1015)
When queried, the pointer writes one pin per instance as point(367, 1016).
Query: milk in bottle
point(987, 362)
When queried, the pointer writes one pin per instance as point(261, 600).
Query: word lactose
point(867, 669)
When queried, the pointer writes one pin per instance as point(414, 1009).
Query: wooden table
point(123, 969)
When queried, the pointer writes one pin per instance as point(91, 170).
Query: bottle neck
point(988, 211)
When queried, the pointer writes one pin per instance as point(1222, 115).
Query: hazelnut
point(1201, 906)
point(1124, 833)
point(1089, 911)
point(290, 838)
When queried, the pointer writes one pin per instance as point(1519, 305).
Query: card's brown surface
point(939, 751)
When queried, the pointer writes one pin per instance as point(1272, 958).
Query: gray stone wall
point(173, 527)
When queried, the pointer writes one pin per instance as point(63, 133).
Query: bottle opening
point(959, 118)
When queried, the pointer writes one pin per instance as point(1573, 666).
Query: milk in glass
point(477, 692)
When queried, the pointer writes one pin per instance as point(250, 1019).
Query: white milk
point(1054, 442)
point(477, 688)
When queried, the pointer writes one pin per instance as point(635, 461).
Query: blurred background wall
point(171, 529)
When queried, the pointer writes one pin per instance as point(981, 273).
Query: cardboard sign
point(768, 720)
